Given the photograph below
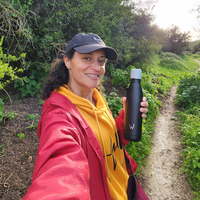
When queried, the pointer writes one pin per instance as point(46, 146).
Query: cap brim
point(111, 54)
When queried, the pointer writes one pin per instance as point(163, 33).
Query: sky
point(174, 12)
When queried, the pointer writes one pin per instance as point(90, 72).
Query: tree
point(177, 42)
point(53, 23)
point(196, 48)
point(14, 28)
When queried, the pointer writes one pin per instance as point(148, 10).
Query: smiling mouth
point(93, 75)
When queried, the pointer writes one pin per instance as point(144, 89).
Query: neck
point(84, 94)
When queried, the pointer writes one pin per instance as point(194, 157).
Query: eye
point(87, 58)
point(101, 61)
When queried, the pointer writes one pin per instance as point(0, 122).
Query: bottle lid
point(136, 74)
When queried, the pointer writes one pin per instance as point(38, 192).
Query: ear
point(67, 61)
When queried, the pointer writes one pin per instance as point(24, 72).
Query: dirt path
point(161, 179)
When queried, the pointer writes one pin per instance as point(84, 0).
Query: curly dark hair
point(59, 76)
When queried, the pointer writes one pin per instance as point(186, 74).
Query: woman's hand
point(144, 105)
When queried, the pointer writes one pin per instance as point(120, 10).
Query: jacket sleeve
point(61, 169)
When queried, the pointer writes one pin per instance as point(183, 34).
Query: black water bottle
point(133, 116)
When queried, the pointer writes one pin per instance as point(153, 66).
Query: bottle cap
point(136, 74)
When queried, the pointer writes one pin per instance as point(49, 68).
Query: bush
point(170, 55)
point(114, 103)
point(7, 73)
point(171, 63)
point(189, 90)
point(190, 128)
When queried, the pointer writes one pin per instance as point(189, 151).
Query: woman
point(80, 154)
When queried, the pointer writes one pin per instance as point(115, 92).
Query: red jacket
point(69, 164)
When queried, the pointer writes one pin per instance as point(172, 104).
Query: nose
point(96, 66)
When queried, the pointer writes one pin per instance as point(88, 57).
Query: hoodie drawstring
point(104, 149)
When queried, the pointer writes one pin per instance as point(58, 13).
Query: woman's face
point(86, 70)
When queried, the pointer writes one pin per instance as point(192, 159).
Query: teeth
point(93, 75)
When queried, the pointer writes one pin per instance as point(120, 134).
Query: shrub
point(190, 128)
point(169, 55)
point(189, 90)
point(7, 73)
point(114, 103)
point(172, 63)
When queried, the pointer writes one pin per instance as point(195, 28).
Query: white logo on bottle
point(131, 127)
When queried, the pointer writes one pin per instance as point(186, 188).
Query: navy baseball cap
point(86, 43)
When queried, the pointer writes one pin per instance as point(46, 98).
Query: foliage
point(21, 135)
point(196, 48)
point(9, 115)
point(177, 42)
point(196, 56)
point(31, 85)
point(14, 28)
point(190, 128)
point(34, 119)
point(120, 77)
point(114, 103)
point(189, 90)
point(2, 149)
point(46, 27)
point(189, 99)
point(172, 61)
point(5, 69)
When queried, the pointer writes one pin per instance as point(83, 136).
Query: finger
point(144, 99)
point(144, 103)
point(144, 110)
point(144, 116)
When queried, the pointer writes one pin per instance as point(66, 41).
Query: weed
point(41, 101)
point(2, 152)
point(21, 135)
point(34, 119)
point(10, 115)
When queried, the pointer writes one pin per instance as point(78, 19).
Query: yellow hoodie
point(104, 127)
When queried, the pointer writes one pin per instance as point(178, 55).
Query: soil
point(161, 178)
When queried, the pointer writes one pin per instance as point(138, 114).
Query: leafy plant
point(121, 77)
point(114, 103)
point(1, 110)
point(10, 115)
point(190, 129)
point(34, 119)
point(31, 85)
point(189, 90)
point(21, 135)
point(2, 150)
point(5, 69)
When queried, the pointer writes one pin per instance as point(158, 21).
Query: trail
point(162, 179)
